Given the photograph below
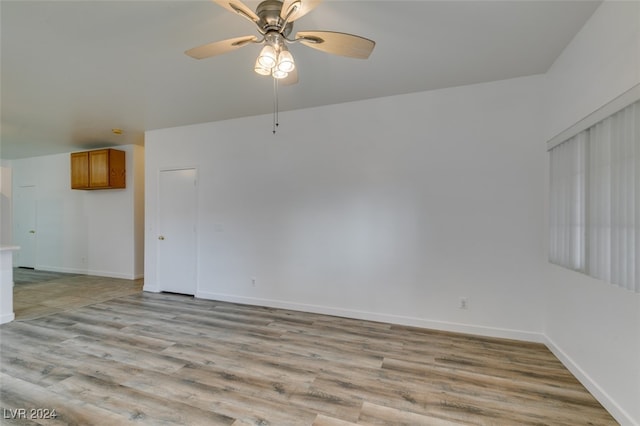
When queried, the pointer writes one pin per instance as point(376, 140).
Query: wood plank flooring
point(153, 359)
point(30, 275)
point(40, 293)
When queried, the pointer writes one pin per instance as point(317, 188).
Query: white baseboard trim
point(108, 274)
point(60, 269)
point(150, 289)
point(95, 273)
point(387, 318)
point(598, 393)
point(7, 318)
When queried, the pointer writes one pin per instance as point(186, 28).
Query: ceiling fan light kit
point(275, 59)
point(274, 19)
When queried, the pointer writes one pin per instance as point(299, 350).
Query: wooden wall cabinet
point(99, 169)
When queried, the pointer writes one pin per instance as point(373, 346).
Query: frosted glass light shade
point(267, 58)
point(260, 69)
point(279, 74)
point(285, 62)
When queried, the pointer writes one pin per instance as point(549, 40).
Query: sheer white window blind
point(595, 200)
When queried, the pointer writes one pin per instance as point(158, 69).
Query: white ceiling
point(73, 70)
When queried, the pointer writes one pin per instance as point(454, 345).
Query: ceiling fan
point(274, 20)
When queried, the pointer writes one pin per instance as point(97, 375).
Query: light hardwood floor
point(39, 293)
point(152, 359)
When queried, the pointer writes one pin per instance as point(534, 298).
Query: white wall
point(601, 62)
point(138, 210)
point(5, 203)
point(388, 209)
point(6, 255)
point(92, 232)
point(594, 327)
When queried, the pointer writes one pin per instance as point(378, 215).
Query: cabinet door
point(99, 168)
point(117, 173)
point(79, 170)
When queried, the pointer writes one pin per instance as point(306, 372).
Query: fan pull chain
point(275, 106)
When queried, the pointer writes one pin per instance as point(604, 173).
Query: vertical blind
point(595, 200)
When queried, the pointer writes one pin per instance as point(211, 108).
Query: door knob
point(161, 237)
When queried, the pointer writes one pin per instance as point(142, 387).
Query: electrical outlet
point(464, 303)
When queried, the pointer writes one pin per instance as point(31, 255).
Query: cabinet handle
point(161, 237)
point(32, 231)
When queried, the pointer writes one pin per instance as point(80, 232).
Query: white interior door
point(24, 231)
point(177, 231)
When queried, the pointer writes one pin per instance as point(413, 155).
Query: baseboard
point(387, 318)
point(7, 318)
point(592, 386)
point(95, 273)
point(61, 269)
point(108, 274)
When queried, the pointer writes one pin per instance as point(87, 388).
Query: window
point(595, 200)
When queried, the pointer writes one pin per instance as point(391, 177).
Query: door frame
point(196, 220)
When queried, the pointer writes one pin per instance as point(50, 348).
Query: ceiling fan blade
point(238, 7)
point(219, 47)
point(341, 44)
point(302, 7)
point(291, 79)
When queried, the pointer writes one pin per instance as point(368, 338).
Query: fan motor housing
point(269, 13)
